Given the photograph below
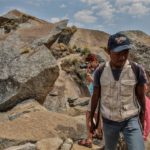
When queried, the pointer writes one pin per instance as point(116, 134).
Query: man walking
point(120, 88)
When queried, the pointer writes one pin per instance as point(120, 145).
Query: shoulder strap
point(101, 68)
point(135, 69)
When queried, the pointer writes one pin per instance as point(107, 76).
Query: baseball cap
point(119, 42)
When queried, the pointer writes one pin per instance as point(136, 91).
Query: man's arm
point(94, 104)
point(140, 93)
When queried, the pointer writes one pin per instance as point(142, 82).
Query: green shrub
point(85, 51)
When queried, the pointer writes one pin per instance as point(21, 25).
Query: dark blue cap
point(119, 42)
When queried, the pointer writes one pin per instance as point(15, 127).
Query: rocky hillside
point(141, 50)
point(138, 36)
point(43, 93)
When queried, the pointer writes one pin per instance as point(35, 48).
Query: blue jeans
point(130, 129)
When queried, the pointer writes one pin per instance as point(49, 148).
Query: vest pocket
point(127, 87)
point(105, 88)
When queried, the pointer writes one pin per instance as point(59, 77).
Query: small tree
point(73, 29)
point(85, 51)
point(74, 47)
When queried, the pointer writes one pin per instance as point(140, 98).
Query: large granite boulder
point(28, 70)
point(29, 75)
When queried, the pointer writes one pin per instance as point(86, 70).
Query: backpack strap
point(135, 69)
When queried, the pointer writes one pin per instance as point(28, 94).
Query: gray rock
point(67, 145)
point(68, 131)
point(23, 108)
point(25, 75)
point(72, 100)
point(61, 24)
point(53, 93)
point(27, 146)
point(7, 143)
point(31, 122)
point(49, 144)
point(53, 35)
point(82, 101)
point(55, 103)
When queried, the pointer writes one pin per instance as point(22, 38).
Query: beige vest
point(118, 100)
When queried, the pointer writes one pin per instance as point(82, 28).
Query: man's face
point(118, 59)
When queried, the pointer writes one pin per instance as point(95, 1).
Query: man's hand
point(141, 116)
point(89, 78)
point(93, 127)
point(94, 104)
point(140, 93)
